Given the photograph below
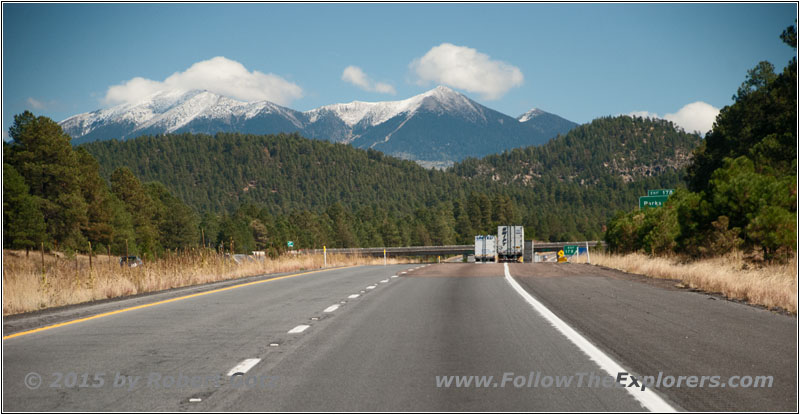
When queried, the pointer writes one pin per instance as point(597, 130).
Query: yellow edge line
point(110, 313)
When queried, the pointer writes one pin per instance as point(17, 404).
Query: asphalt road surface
point(357, 339)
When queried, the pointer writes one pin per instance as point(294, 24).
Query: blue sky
point(580, 61)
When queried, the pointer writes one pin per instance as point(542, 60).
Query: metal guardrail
point(398, 251)
point(541, 246)
point(432, 250)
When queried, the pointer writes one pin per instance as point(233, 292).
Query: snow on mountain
point(530, 115)
point(169, 111)
point(437, 125)
point(440, 98)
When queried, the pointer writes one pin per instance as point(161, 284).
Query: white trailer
point(510, 243)
point(485, 248)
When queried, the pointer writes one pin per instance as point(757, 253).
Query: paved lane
point(205, 335)
point(385, 355)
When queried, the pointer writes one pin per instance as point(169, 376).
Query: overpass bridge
point(444, 250)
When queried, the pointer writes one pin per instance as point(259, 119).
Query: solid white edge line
point(243, 366)
point(299, 329)
point(331, 309)
point(649, 399)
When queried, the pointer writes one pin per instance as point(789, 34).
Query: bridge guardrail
point(431, 250)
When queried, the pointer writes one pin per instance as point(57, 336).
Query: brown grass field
point(732, 276)
point(70, 280)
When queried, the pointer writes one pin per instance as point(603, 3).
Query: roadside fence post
point(588, 258)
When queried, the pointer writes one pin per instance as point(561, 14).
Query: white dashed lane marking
point(299, 329)
point(302, 327)
point(243, 366)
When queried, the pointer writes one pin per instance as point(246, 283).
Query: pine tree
point(23, 222)
point(176, 222)
point(99, 228)
point(140, 206)
point(43, 156)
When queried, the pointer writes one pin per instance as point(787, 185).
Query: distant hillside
point(575, 183)
point(287, 174)
point(610, 148)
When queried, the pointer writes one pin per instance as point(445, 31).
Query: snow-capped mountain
point(361, 116)
point(170, 112)
point(544, 123)
point(438, 126)
point(530, 115)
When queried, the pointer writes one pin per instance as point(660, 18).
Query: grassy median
point(769, 285)
point(68, 281)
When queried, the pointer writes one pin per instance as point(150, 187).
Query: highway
point(377, 338)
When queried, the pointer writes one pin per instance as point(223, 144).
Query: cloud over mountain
point(465, 68)
point(356, 76)
point(696, 116)
point(219, 75)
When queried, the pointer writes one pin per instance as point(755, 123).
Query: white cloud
point(466, 68)
point(695, 117)
point(357, 77)
point(35, 103)
point(219, 75)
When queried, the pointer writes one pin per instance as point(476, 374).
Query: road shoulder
point(652, 327)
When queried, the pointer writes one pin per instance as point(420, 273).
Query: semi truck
point(485, 248)
point(510, 243)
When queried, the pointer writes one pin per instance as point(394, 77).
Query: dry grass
point(70, 280)
point(732, 276)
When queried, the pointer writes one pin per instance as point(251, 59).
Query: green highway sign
point(290, 244)
point(652, 201)
point(660, 192)
point(570, 250)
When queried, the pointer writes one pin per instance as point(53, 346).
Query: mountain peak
point(374, 113)
point(167, 111)
point(445, 90)
point(533, 113)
